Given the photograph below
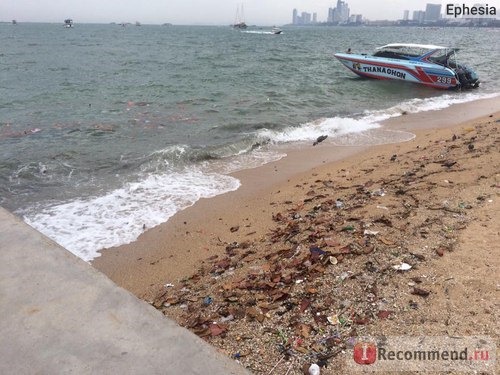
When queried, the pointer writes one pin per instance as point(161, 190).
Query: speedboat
point(430, 65)
point(68, 23)
point(276, 30)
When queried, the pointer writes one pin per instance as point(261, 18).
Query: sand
point(453, 250)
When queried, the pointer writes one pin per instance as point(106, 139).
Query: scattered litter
point(348, 228)
point(379, 192)
point(316, 251)
point(168, 285)
point(384, 314)
point(339, 203)
point(333, 319)
point(331, 260)
point(440, 251)
point(420, 292)
point(228, 318)
point(314, 369)
point(320, 139)
point(343, 276)
point(402, 267)
point(207, 301)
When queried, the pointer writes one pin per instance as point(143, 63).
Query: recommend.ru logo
point(423, 353)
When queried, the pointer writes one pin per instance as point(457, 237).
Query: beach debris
point(379, 192)
point(320, 139)
point(420, 292)
point(470, 147)
point(329, 266)
point(316, 252)
point(448, 163)
point(348, 228)
point(339, 203)
point(333, 319)
point(384, 314)
point(394, 157)
point(402, 267)
point(314, 369)
point(234, 229)
point(217, 329)
point(207, 301)
point(168, 285)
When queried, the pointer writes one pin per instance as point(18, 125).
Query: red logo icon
point(365, 353)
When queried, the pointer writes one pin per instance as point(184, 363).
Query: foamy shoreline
point(173, 249)
point(85, 226)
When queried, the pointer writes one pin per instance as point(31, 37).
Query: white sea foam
point(85, 226)
point(341, 126)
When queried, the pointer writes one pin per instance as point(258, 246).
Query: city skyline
point(197, 12)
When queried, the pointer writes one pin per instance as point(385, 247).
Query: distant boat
point(276, 30)
point(137, 23)
point(14, 22)
point(68, 23)
point(239, 20)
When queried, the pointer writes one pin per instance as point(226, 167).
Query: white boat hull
point(432, 75)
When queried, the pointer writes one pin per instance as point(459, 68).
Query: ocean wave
point(339, 126)
point(85, 226)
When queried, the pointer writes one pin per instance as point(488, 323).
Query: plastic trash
point(333, 319)
point(314, 369)
point(402, 267)
point(207, 300)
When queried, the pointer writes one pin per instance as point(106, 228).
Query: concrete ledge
point(59, 315)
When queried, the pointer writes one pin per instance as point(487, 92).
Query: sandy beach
point(280, 273)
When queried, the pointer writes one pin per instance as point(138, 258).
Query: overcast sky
point(196, 12)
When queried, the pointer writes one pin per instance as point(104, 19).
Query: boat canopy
point(411, 45)
point(410, 51)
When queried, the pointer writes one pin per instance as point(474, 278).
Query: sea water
point(106, 129)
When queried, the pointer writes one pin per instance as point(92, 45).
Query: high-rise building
point(339, 14)
point(315, 17)
point(406, 15)
point(419, 16)
point(432, 12)
point(306, 18)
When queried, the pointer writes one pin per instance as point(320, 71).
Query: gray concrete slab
point(58, 315)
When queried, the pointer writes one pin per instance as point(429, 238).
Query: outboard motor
point(467, 77)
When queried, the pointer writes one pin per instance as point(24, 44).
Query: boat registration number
point(446, 80)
